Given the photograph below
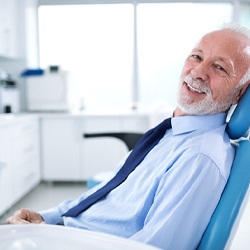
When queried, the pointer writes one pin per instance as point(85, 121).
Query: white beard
point(205, 106)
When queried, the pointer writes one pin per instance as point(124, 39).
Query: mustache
point(197, 83)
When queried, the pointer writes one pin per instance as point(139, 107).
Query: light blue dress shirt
point(167, 201)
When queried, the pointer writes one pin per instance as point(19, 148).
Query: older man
point(168, 198)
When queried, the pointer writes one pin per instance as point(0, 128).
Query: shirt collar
point(183, 124)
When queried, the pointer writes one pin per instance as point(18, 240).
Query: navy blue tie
point(141, 149)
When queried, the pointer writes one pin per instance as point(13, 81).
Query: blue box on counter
point(32, 72)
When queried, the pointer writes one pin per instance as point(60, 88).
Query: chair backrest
point(221, 224)
point(129, 138)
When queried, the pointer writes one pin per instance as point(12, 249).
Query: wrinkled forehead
point(229, 45)
point(227, 41)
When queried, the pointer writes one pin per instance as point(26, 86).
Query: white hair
point(239, 29)
point(244, 79)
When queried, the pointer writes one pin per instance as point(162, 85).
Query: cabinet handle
point(28, 149)
point(8, 40)
point(3, 165)
point(27, 128)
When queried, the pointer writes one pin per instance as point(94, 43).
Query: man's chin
point(193, 109)
point(201, 109)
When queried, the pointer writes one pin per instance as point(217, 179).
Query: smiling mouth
point(192, 89)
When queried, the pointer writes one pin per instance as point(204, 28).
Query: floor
point(47, 195)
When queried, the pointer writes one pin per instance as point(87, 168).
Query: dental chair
point(220, 231)
point(220, 228)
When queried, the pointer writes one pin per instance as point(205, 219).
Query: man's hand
point(25, 216)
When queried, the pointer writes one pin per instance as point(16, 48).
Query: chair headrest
point(239, 123)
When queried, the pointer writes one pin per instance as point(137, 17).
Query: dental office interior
point(73, 67)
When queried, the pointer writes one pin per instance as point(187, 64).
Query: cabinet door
point(3, 40)
point(8, 28)
point(19, 160)
point(26, 163)
point(6, 179)
point(61, 145)
point(101, 154)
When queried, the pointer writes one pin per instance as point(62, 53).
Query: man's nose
point(200, 71)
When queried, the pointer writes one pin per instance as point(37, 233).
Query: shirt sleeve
point(184, 202)
point(54, 215)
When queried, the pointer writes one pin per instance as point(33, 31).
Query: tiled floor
point(47, 195)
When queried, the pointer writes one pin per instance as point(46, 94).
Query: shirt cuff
point(51, 216)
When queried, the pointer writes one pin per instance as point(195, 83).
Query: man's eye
point(220, 68)
point(197, 57)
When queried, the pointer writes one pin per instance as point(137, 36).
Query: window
point(166, 34)
point(114, 50)
point(95, 44)
point(244, 17)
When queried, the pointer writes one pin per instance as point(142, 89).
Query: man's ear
point(241, 92)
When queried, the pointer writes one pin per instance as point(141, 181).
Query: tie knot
point(168, 123)
point(164, 126)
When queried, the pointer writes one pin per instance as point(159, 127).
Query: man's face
point(211, 73)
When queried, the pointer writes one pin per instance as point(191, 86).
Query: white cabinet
point(8, 28)
point(67, 156)
point(25, 156)
point(5, 169)
point(19, 159)
point(61, 145)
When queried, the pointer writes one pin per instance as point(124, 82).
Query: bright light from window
point(166, 35)
point(95, 44)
